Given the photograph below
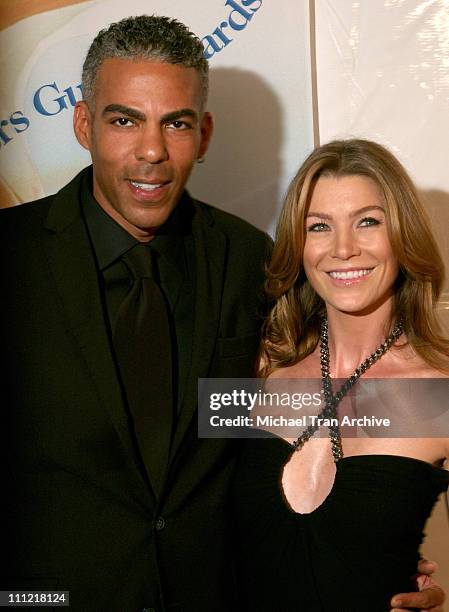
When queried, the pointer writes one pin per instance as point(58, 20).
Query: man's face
point(144, 135)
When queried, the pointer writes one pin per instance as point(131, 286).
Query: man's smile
point(146, 186)
point(148, 191)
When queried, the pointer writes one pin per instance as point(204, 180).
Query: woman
point(330, 522)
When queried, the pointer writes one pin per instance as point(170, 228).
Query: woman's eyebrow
point(359, 211)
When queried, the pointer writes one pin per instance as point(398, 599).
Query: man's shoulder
point(31, 216)
point(236, 229)
point(24, 216)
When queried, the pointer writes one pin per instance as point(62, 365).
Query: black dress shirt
point(174, 257)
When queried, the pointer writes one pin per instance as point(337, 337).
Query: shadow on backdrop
point(242, 171)
point(436, 203)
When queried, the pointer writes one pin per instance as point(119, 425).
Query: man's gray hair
point(146, 37)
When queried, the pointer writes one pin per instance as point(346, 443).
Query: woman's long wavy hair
point(291, 331)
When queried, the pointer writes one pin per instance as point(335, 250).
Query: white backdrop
point(260, 95)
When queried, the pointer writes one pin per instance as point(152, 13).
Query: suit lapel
point(210, 255)
point(71, 261)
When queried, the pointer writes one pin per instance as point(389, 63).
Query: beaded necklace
point(332, 400)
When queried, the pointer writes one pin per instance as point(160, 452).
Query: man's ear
point(207, 129)
point(82, 124)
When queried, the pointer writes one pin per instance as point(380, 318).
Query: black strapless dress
point(352, 553)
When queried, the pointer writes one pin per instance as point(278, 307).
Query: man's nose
point(345, 244)
point(151, 145)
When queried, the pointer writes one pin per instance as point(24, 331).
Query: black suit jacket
point(79, 512)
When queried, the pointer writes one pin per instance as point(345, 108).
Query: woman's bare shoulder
point(406, 363)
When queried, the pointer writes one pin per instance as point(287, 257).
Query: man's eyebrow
point(359, 211)
point(124, 110)
point(128, 111)
point(178, 114)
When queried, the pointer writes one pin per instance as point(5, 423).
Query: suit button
point(159, 523)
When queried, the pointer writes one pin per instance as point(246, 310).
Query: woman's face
point(348, 257)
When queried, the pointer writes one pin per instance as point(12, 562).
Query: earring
point(200, 160)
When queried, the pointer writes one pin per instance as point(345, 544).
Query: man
point(111, 495)
point(97, 509)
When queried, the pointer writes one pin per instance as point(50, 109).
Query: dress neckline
point(385, 457)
